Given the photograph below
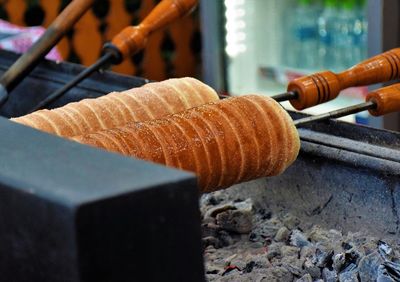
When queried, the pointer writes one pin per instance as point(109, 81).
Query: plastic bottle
point(343, 35)
point(288, 57)
point(305, 33)
point(326, 22)
point(360, 44)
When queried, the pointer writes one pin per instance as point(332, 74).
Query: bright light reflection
point(235, 27)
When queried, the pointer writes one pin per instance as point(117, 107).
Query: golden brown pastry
point(225, 142)
point(151, 101)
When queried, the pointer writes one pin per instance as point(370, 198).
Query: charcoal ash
point(385, 250)
point(322, 258)
point(224, 222)
point(339, 261)
point(305, 278)
point(393, 269)
point(244, 243)
point(368, 266)
point(349, 274)
point(290, 221)
point(312, 269)
point(238, 221)
point(329, 275)
point(383, 275)
point(298, 239)
point(265, 214)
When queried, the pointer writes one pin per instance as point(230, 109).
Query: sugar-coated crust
point(224, 143)
point(153, 100)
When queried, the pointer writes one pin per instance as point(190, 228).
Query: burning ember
point(243, 243)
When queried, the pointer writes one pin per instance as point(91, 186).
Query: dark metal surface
point(49, 76)
point(3, 94)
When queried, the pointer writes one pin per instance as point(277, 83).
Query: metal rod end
point(3, 94)
point(285, 96)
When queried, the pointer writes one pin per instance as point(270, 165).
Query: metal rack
point(73, 213)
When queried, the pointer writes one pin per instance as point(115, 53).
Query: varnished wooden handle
point(22, 67)
point(325, 86)
point(387, 100)
point(70, 15)
point(134, 38)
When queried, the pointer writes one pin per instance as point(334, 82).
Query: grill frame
point(346, 177)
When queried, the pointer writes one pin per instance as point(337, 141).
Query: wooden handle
point(134, 38)
point(23, 66)
point(325, 86)
point(387, 100)
point(70, 15)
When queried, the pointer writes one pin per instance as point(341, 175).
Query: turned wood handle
point(133, 38)
point(324, 86)
point(24, 65)
point(387, 100)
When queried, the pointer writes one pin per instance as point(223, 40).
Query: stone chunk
point(368, 267)
point(282, 234)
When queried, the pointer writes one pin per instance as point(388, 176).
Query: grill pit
point(344, 187)
point(333, 215)
point(281, 247)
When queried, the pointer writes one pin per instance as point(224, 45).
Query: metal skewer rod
point(337, 113)
point(279, 97)
point(379, 102)
point(285, 96)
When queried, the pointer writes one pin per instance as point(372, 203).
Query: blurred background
point(173, 52)
point(236, 46)
point(268, 43)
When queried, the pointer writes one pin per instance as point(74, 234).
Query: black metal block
point(73, 213)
